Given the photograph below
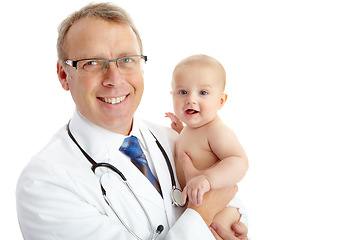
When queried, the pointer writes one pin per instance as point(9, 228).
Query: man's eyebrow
point(128, 53)
point(100, 56)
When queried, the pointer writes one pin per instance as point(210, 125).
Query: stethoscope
point(175, 193)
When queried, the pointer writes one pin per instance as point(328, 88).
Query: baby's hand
point(176, 123)
point(195, 189)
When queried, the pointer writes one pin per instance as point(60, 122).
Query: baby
point(198, 93)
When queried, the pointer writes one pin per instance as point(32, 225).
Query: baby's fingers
point(194, 196)
point(184, 195)
point(200, 196)
point(170, 115)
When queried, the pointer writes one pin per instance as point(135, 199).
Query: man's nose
point(112, 75)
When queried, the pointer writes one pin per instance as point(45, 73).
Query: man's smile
point(112, 100)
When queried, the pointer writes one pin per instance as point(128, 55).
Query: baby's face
point(197, 94)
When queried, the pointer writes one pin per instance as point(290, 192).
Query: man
point(59, 197)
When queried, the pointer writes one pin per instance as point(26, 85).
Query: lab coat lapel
point(159, 163)
point(162, 170)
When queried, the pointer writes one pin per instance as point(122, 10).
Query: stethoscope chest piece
point(176, 197)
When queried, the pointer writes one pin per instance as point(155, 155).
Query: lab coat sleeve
point(190, 226)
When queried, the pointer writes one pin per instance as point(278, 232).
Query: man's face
point(96, 38)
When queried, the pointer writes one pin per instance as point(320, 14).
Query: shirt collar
point(97, 141)
point(136, 131)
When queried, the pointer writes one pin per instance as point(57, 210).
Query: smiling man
point(72, 189)
point(107, 97)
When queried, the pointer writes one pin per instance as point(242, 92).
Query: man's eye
point(92, 63)
point(126, 60)
point(182, 92)
point(203, 92)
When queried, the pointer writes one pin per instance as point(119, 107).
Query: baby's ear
point(223, 100)
point(171, 92)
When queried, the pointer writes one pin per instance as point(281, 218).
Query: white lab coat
point(59, 197)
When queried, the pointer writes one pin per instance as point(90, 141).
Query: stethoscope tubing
point(107, 200)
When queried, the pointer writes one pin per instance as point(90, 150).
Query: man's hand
point(220, 233)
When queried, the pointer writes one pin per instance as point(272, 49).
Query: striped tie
point(132, 149)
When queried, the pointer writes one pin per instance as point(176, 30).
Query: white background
point(293, 85)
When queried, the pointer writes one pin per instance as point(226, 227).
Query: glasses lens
point(131, 64)
point(91, 67)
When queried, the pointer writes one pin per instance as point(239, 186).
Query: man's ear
point(62, 76)
point(223, 100)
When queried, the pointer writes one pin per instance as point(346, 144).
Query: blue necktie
point(132, 149)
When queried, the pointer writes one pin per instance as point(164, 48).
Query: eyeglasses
point(95, 66)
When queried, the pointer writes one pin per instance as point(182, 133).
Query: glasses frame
point(74, 63)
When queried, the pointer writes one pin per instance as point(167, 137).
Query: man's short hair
point(106, 11)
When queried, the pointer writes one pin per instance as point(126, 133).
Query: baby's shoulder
point(218, 128)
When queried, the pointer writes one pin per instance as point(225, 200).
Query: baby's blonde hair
point(203, 60)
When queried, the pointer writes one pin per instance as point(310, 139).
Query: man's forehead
point(93, 27)
point(96, 38)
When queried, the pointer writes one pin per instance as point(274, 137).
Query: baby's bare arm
point(233, 163)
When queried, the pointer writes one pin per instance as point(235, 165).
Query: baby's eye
point(203, 92)
point(183, 92)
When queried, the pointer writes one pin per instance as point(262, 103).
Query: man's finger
point(184, 194)
point(240, 230)
point(221, 232)
point(217, 237)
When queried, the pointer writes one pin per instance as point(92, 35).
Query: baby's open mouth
point(191, 111)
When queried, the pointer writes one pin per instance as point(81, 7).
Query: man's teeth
point(113, 100)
